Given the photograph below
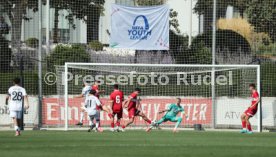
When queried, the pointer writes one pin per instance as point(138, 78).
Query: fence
point(36, 36)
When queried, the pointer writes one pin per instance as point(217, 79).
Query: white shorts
point(16, 114)
point(92, 112)
point(95, 115)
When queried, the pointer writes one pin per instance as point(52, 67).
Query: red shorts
point(250, 112)
point(133, 112)
point(118, 113)
point(100, 108)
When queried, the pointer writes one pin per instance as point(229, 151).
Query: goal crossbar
point(68, 64)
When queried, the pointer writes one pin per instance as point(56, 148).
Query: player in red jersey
point(251, 111)
point(95, 87)
point(116, 100)
point(133, 104)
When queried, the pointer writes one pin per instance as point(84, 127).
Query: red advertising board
point(199, 110)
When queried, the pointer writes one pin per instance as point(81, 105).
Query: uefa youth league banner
point(140, 28)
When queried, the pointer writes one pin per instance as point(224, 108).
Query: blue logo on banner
point(139, 32)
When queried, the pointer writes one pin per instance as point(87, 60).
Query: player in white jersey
point(16, 96)
point(92, 103)
point(85, 93)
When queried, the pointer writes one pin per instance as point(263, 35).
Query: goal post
point(221, 110)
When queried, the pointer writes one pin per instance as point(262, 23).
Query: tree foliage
point(87, 10)
point(80, 8)
point(5, 55)
point(262, 15)
point(16, 11)
point(205, 6)
point(178, 48)
point(174, 24)
point(67, 53)
point(241, 5)
point(234, 44)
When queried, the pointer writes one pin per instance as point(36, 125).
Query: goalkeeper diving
point(171, 115)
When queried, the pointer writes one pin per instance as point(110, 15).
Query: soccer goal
point(214, 96)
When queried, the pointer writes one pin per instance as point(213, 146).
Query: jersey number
point(17, 96)
point(118, 100)
point(89, 103)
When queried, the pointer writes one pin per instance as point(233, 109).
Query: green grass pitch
point(137, 144)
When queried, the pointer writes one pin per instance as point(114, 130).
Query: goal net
point(213, 96)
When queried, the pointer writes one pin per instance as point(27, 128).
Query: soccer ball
point(153, 123)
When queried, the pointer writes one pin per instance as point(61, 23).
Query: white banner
point(229, 111)
point(30, 116)
point(140, 28)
